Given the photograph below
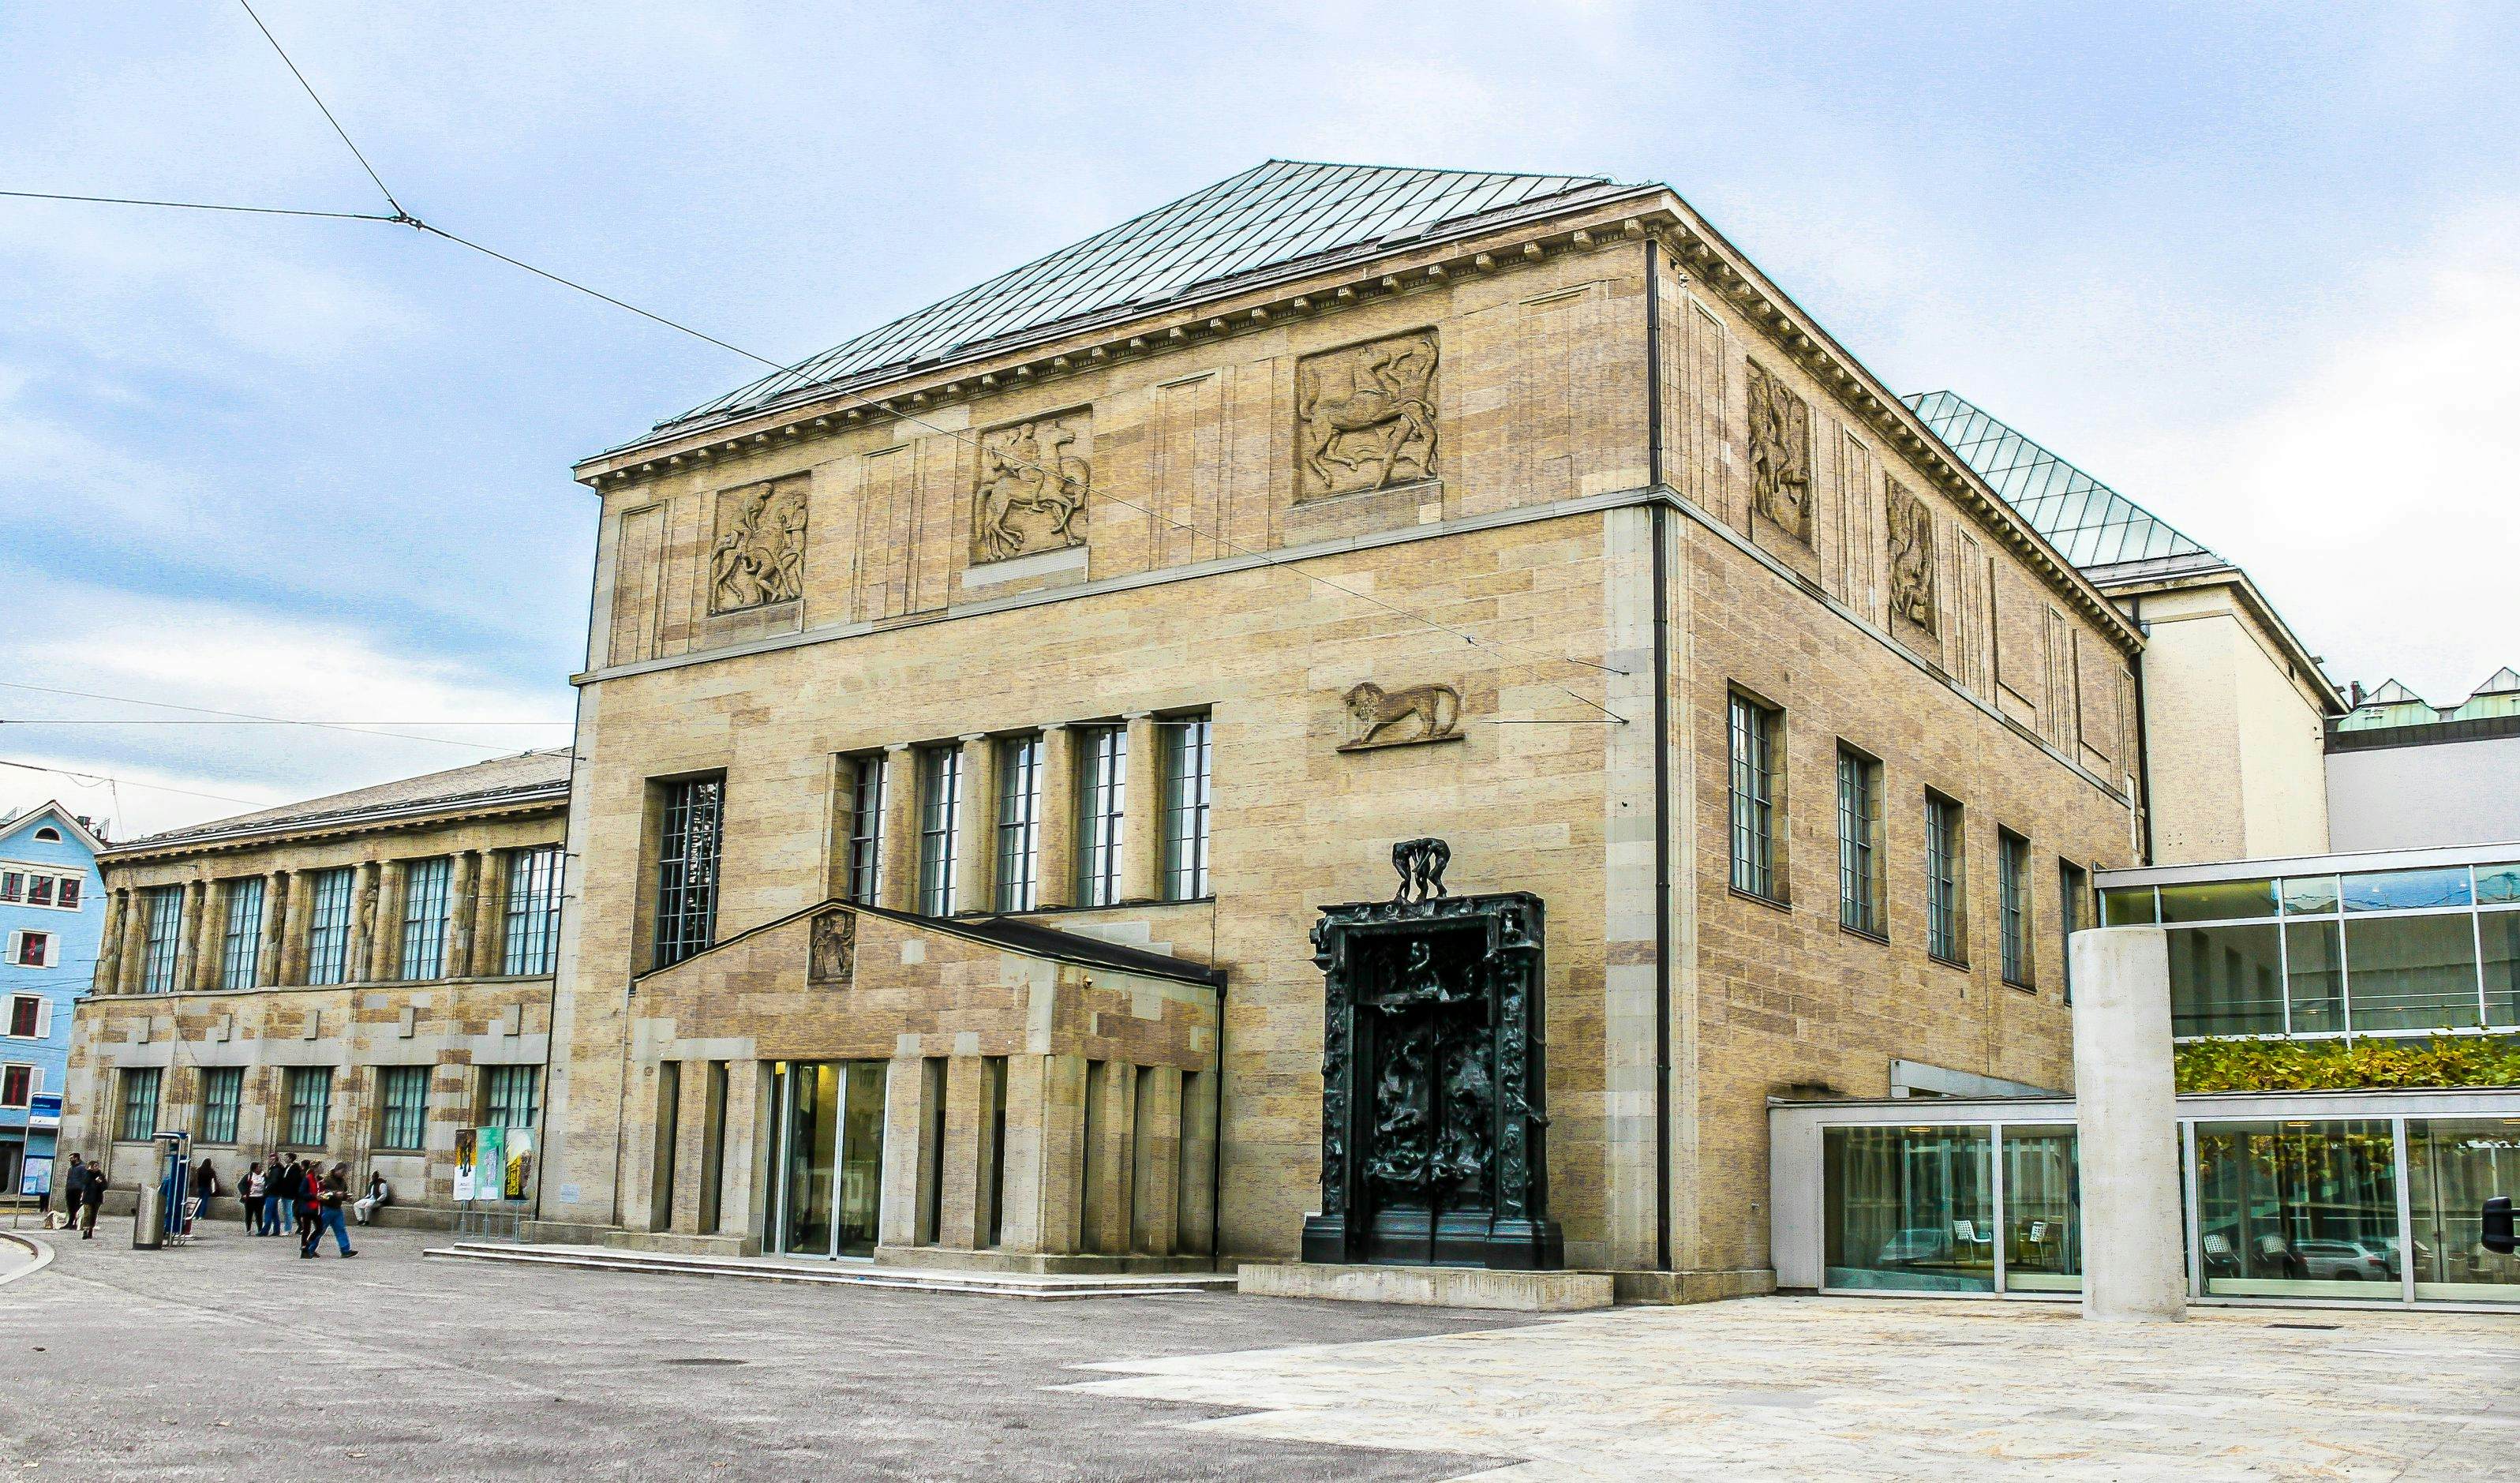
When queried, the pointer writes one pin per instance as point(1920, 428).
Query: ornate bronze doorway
point(1431, 1078)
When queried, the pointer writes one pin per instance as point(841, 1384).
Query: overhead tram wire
point(107, 780)
point(199, 205)
point(403, 217)
point(250, 717)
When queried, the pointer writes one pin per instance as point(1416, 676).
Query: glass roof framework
point(1275, 213)
point(2093, 526)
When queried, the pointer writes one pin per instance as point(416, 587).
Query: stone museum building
point(353, 978)
point(979, 716)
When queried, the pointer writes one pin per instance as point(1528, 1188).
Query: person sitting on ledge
point(379, 1194)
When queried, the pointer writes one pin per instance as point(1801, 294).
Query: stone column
point(976, 829)
point(489, 904)
point(384, 954)
point(900, 842)
point(961, 1214)
point(135, 943)
point(2127, 1118)
point(292, 932)
point(1195, 1210)
point(840, 814)
point(1156, 1155)
point(187, 937)
point(208, 961)
point(459, 914)
point(275, 929)
point(1058, 816)
point(1111, 1120)
point(362, 949)
point(740, 1189)
point(907, 1157)
point(1044, 1127)
point(106, 976)
point(1142, 811)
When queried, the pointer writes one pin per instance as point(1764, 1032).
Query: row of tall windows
point(1755, 748)
point(693, 816)
point(508, 1098)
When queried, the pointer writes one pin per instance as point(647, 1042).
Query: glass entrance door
point(826, 1168)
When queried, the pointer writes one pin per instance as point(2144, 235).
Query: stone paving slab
point(1804, 1388)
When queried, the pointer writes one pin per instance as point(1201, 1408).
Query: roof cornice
point(539, 798)
point(2225, 575)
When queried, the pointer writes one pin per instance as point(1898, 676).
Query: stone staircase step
point(1039, 1287)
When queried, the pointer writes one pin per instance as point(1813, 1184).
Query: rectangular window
point(2073, 887)
point(2012, 905)
point(1945, 934)
point(164, 934)
point(531, 945)
point(1019, 823)
point(687, 869)
point(25, 1014)
point(2227, 981)
point(2412, 972)
point(223, 1094)
point(328, 927)
point(424, 888)
point(13, 885)
point(1752, 746)
point(866, 830)
point(2303, 1208)
point(1859, 843)
point(507, 1096)
point(310, 1104)
point(40, 889)
point(241, 941)
point(68, 898)
point(17, 1086)
point(402, 1107)
point(940, 827)
point(1185, 808)
point(1103, 798)
point(32, 950)
point(139, 1111)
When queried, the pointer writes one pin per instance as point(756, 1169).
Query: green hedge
point(2319, 1066)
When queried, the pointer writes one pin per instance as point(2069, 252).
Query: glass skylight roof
point(1275, 213)
point(2091, 523)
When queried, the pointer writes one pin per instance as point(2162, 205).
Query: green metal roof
point(2093, 526)
point(2394, 705)
point(1277, 214)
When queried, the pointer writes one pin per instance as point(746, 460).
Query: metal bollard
point(149, 1218)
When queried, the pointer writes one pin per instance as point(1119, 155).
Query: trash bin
point(148, 1219)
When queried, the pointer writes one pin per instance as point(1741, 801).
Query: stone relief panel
point(1910, 525)
point(832, 954)
point(1034, 480)
point(1378, 718)
point(758, 557)
point(1781, 454)
point(1364, 416)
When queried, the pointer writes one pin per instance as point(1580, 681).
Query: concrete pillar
point(1045, 1149)
point(489, 913)
point(2134, 1268)
point(384, 953)
point(899, 843)
point(1155, 1156)
point(459, 913)
point(187, 937)
point(1142, 811)
point(906, 1152)
point(1058, 885)
point(275, 920)
point(106, 976)
point(976, 829)
point(361, 956)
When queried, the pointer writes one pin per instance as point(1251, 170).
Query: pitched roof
point(524, 777)
point(54, 807)
point(1278, 212)
point(2394, 705)
point(2095, 527)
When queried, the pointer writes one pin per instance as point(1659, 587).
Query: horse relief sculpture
point(1364, 416)
point(1033, 484)
point(759, 558)
point(1780, 456)
point(1378, 718)
point(1911, 559)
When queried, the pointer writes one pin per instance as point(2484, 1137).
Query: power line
point(321, 108)
point(241, 715)
point(195, 205)
point(103, 780)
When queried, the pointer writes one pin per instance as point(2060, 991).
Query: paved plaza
point(233, 1358)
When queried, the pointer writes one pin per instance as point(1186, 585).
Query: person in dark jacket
point(92, 1200)
point(250, 1196)
point(332, 1192)
point(205, 1187)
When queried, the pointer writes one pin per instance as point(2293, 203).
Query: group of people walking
point(82, 1194)
point(304, 1190)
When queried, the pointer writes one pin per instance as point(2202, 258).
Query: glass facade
point(1752, 744)
point(530, 944)
point(241, 940)
point(1019, 823)
point(2299, 1208)
point(2452, 1167)
point(827, 1175)
point(2407, 952)
point(1185, 808)
point(1911, 1209)
point(425, 887)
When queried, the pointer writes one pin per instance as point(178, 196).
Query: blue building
point(52, 916)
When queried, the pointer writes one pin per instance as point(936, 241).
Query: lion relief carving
point(1378, 718)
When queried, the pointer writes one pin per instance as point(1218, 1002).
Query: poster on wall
point(490, 1163)
point(36, 1175)
point(521, 1162)
point(464, 1151)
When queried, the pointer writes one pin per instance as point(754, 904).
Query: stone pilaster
point(1157, 1156)
point(1045, 1146)
point(976, 829)
point(907, 1158)
point(292, 932)
point(899, 887)
point(962, 1217)
point(135, 944)
point(187, 937)
point(384, 956)
point(1142, 811)
point(840, 814)
point(1109, 1122)
point(275, 929)
point(1058, 816)
point(208, 932)
point(459, 914)
point(362, 951)
point(106, 979)
point(489, 900)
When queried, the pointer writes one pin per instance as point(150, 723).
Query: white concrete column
point(2126, 1114)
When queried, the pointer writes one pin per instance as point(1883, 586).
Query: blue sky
point(2259, 266)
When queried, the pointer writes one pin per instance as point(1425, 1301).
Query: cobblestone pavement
point(232, 1358)
point(1807, 1389)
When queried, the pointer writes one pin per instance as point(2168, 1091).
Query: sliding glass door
point(827, 1165)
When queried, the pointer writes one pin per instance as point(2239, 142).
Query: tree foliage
point(2323, 1065)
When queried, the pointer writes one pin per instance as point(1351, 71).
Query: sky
point(2257, 266)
